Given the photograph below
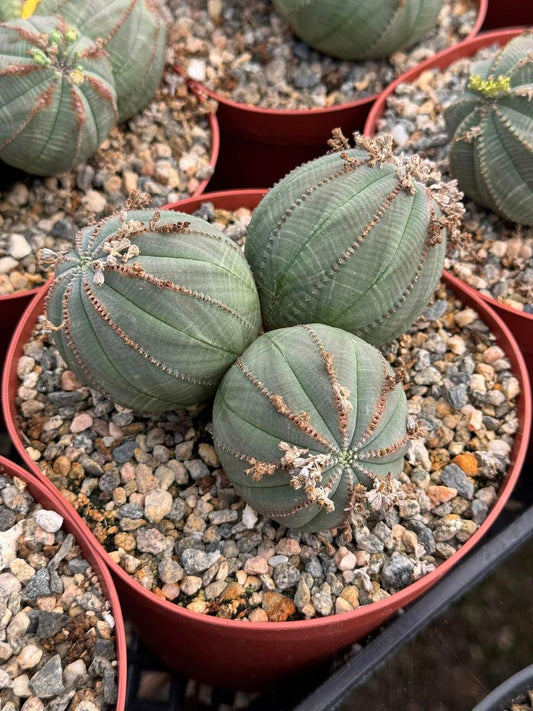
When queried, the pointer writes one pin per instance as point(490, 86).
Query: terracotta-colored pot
point(508, 13)
point(519, 322)
point(259, 146)
point(248, 655)
point(44, 493)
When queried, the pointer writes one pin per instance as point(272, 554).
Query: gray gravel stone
point(454, 476)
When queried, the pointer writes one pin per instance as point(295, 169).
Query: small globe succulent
point(354, 239)
point(307, 419)
point(57, 95)
point(133, 34)
point(152, 307)
point(351, 29)
point(491, 132)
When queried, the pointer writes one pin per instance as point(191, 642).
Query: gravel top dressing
point(152, 490)
point(164, 151)
point(57, 647)
point(243, 51)
point(497, 259)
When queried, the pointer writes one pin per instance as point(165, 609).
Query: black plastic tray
point(327, 687)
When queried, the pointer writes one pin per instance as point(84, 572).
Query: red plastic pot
point(44, 493)
point(519, 322)
point(508, 13)
point(259, 146)
point(248, 655)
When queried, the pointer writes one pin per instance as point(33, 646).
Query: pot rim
point(251, 197)
point(502, 695)
point(322, 110)
point(41, 488)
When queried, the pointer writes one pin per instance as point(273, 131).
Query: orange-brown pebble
point(467, 462)
point(232, 591)
point(277, 607)
point(440, 494)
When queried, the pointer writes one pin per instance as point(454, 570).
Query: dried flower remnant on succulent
point(307, 420)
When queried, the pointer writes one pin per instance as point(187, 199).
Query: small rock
point(49, 521)
point(48, 681)
point(277, 607)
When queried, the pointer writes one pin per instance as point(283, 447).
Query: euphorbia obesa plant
point(354, 239)
point(57, 95)
point(351, 29)
point(491, 132)
point(152, 307)
point(306, 420)
point(133, 34)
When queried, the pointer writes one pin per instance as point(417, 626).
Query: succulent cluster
point(305, 420)
point(58, 100)
point(68, 72)
point(152, 307)
point(491, 132)
point(354, 239)
point(351, 29)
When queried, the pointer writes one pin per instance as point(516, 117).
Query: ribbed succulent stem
point(355, 239)
point(304, 417)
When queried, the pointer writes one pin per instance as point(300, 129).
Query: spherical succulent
point(354, 239)
point(152, 308)
point(351, 29)
point(57, 95)
point(491, 132)
point(305, 419)
point(133, 34)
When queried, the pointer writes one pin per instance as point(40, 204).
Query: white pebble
point(249, 517)
point(49, 521)
point(18, 246)
point(7, 264)
point(196, 69)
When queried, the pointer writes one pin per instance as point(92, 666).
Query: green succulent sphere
point(152, 308)
point(306, 418)
point(57, 95)
point(355, 29)
point(354, 239)
point(491, 132)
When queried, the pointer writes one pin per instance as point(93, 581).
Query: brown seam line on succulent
point(379, 410)
point(28, 35)
point(101, 310)
point(57, 281)
point(17, 70)
point(218, 238)
point(81, 118)
point(151, 61)
point(385, 451)
point(341, 261)
point(122, 20)
point(408, 290)
point(43, 101)
point(301, 420)
point(342, 405)
point(367, 472)
point(137, 272)
point(268, 467)
point(393, 19)
point(94, 235)
point(94, 52)
point(70, 342)
point(103, 92)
